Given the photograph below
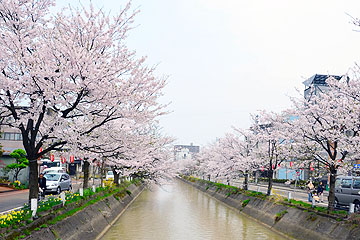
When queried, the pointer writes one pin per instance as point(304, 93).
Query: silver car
point(57, 182)
point(347, 190)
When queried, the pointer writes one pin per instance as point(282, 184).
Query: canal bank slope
point(293, 222)
point(92, 221)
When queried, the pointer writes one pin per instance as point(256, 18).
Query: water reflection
point(179, 211)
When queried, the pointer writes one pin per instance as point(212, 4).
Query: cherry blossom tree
point(65, 76)
point(144, 155)
point(229, 156)
point(327, 126)
point(272, 148)
point(243, 145)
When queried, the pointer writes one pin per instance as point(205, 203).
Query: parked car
point(54, 170)
point(109, 175)
point(57, 182)
point(347, 190)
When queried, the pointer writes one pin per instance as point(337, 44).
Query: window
point(11, 136)
point(52, 177)
point(337, 183)
point(356, 184)
point(18, 137)
point(346, 183)
point(7, 136)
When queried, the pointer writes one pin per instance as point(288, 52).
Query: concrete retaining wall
point(296, 224)
point(91, 222)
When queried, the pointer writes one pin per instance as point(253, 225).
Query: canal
point(179, 211)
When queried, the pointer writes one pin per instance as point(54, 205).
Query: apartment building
point(10, 140)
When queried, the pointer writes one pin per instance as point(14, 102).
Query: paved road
point(16, 199)
point(13, 199)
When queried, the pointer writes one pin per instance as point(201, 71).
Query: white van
point(347, 190)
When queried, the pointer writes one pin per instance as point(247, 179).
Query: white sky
point(226, 59)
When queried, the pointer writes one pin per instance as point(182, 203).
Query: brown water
point(179, 211)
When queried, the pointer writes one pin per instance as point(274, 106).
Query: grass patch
point(312, 217)
point(300, 203)
point(340, 214)
point(119, 191)
point(55, 233)
point(27, 232)
point(279, 215)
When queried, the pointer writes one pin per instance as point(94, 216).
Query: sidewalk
point(6, 189)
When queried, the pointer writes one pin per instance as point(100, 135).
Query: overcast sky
point(228, 58)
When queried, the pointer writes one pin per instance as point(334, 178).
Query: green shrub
point(245, 202)
point(44, 226)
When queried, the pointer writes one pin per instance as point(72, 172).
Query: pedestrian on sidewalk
point(320, 191)
point(310, 188)
point(42, 186)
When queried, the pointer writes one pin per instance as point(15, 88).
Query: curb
point(12, 190)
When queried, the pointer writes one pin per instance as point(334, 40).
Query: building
point(182, 152)
point(10, 140)
point(316, 84)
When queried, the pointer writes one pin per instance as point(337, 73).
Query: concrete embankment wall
point(296, 223)
point(91, 222)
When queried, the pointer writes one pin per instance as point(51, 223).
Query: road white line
point(14, 209)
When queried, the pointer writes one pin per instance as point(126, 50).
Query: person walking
point(42, 185)
point(310, 189)
point(320, 191)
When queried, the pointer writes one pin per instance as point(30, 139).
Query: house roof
point(319, 79)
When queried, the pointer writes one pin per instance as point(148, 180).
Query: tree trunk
point(102, 171)
point(270, 177)
point(331, 204)
point(17, 174)
point(86, 174)
point(116, 176)
point(94, 169)
point(246, 182)
point(33, 179)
